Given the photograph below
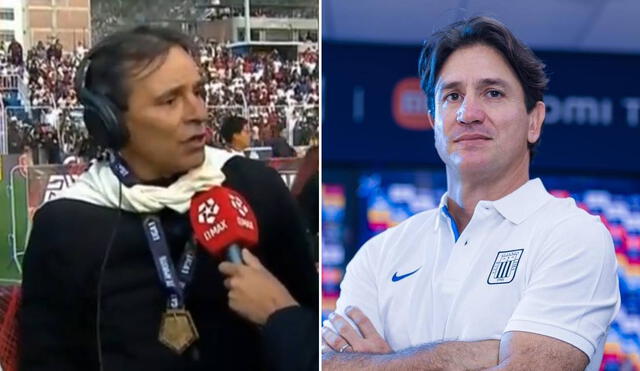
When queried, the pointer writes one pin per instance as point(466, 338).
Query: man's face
point(166, 116)
point(480, 119)
point(242, 139)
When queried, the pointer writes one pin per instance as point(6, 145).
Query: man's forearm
point(454, 356)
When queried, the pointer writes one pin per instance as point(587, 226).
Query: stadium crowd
point(225, 12)
point(280, 96)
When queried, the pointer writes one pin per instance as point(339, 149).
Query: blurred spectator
point(40, 50)
point(10, 63)
point(235, 133)
point(15, 141)
point(55, 51)
point(14, 52)
point(255, 135)
point(280, 146)
point(80, 50)
point(26, 158)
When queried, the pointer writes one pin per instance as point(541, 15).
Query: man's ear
point(429, 119)
point(536, 119)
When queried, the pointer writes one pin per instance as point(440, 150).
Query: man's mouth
point(471, 137)
point(196, 139)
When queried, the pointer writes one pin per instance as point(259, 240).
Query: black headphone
point(102, 117)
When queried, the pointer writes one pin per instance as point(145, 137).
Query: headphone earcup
point(103, 120)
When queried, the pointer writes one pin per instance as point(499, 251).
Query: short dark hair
point(128, 53)
point(232, 125)
point(490, 32)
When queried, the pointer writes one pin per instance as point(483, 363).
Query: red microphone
point(223, 222)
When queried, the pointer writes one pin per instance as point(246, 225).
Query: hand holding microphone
point(254, 292)
point(224, 224)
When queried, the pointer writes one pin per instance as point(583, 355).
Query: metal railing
point(15, 82)
point(16, 251)
point(10, 82)
point(23, 90)
point(4, 140)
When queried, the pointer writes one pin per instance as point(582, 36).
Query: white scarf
point(99, 186)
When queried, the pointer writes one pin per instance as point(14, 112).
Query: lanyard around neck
point(174, 281)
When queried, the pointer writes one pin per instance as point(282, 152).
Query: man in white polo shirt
point(501, 275)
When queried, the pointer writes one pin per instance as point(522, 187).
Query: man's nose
point(195, 108)
point(470, 112)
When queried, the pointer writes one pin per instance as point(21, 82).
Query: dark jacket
point(281, 148)
point(61, 269)
point(287, 341)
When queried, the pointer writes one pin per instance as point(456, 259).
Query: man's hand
point(348, 339)
point(254, 293)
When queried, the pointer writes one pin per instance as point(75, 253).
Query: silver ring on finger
point(343, 348)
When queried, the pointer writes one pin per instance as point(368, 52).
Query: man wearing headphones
point(94, 297)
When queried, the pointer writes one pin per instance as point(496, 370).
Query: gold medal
point(177, 330)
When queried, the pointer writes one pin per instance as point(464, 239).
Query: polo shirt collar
point(523, 202)
point(442, 211)
point(515, 207)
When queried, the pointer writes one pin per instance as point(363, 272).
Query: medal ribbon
point(173, 281)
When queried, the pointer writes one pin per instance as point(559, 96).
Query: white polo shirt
point(527, 262)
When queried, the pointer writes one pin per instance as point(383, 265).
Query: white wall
point(18, 23)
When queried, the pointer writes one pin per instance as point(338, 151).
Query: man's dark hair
point(483, 31)
point(125, 54)
point(231, 125)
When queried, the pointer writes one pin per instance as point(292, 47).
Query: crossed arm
point(348, 350)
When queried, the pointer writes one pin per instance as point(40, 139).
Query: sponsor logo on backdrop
point(591, 111)
point(45, 183)
point(409, 105)
point(56, 184)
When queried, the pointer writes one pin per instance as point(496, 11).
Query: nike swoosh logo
point(397, 278)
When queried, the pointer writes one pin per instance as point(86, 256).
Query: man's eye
point(494, 93)
point(452, 97)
